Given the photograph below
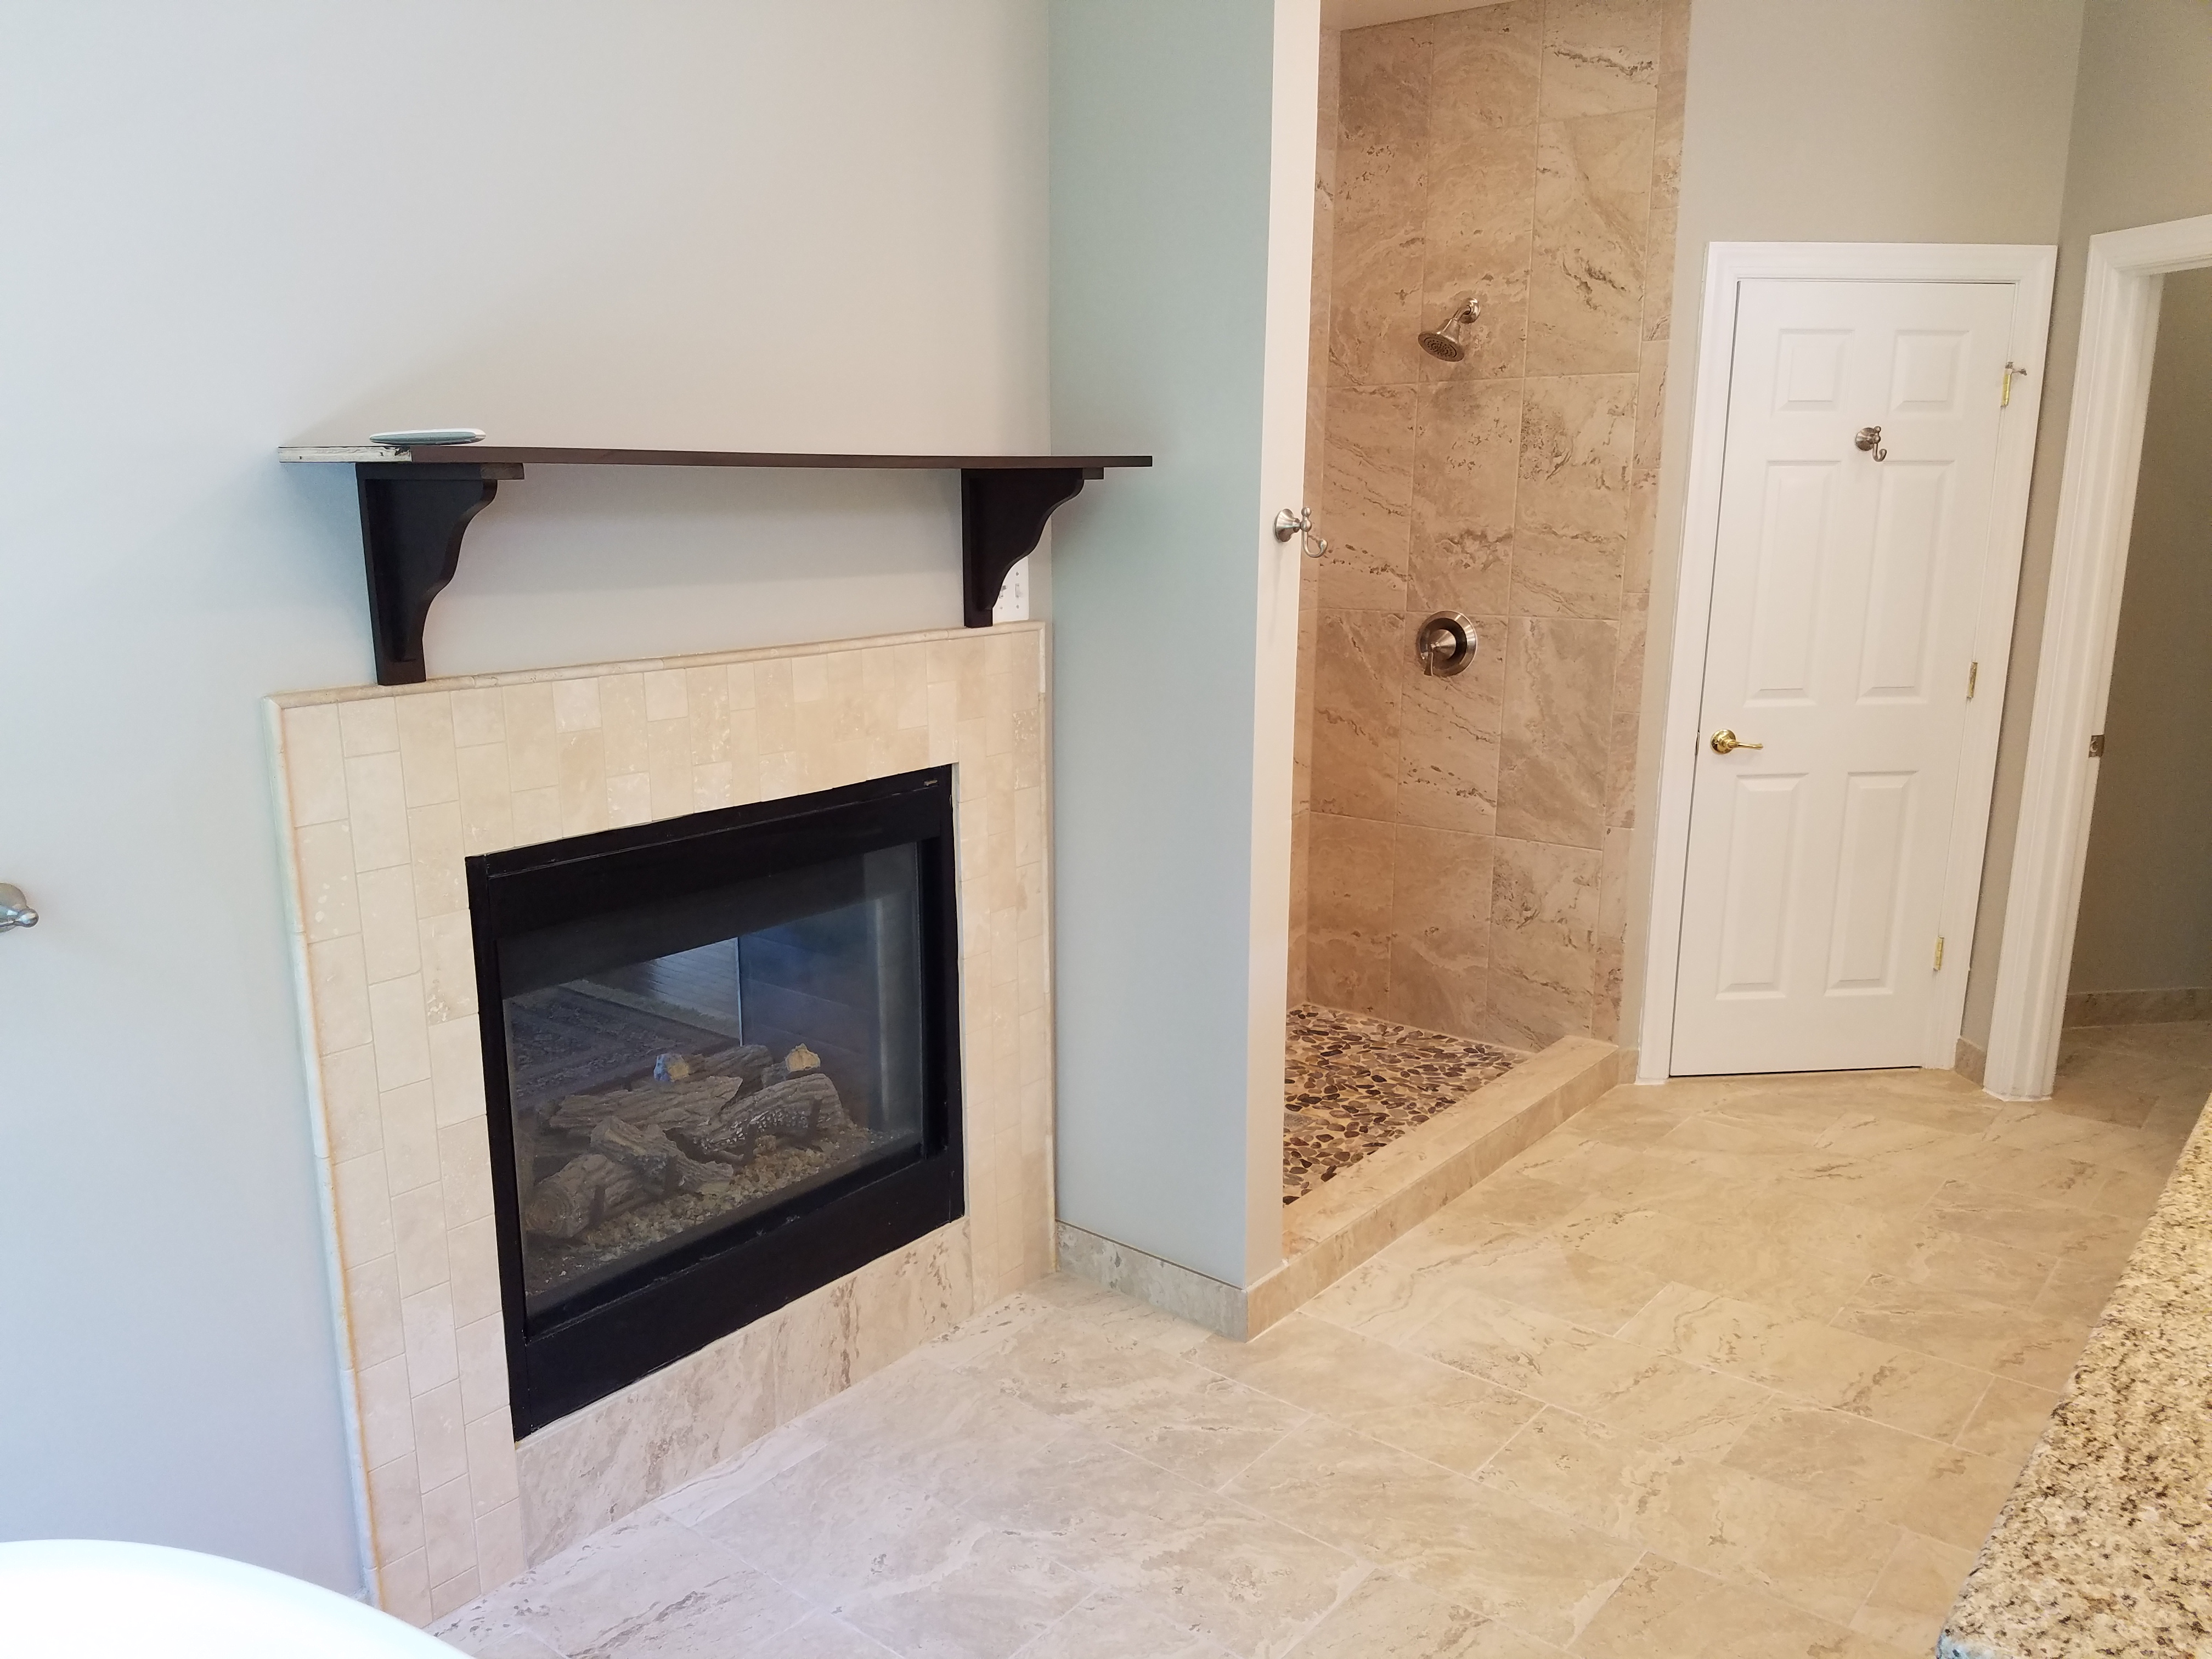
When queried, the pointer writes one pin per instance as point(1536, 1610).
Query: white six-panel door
point(1842, 636)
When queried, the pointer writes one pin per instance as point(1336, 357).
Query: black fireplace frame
point(672, 1305)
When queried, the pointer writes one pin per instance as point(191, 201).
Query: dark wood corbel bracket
point(413, 515)
point(416, 507)
point(1002, 519)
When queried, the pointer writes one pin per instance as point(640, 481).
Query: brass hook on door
point(1870, 439)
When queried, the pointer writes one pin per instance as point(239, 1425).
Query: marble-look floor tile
point(1669, 1611)
point(1433, 1410)
point(1942, 1261)
point(2076, 1292)
point(766, 1458)
point(1721, 1520)
point(488, 1629)
point(650, 1586)
point(1394, 1617)
point(895, 1564)
point(1210, 1563)
point(1686, 1407)
point(2009, 1421)
point(1469, 1542)
point(1119, 1319)
point(1856, 1463)
point(2031, 1175)
point(1921, 1580)
point(1107, 1625)
point(1950, 1324)
point(1809, 1271)
point(1501, 1436)
point(821, 1635)
point(1959, 1501)
point(1193, 1421)
point(1542, 1270)
point(1913, 1391)
point(940, 1430)
point(2034, 1224)
point(1524, 1199)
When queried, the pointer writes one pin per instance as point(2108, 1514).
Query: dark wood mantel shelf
point(416, 505)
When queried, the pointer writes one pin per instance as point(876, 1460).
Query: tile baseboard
point(1330, 1231)
point(1971, 1061)
point(2139, 1007)
point(1171, 1288)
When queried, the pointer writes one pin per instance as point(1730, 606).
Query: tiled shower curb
point(1382, 1197)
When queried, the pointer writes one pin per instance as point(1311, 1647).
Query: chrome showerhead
point(1445, 342)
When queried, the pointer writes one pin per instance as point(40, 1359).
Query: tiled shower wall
point(1466, 840)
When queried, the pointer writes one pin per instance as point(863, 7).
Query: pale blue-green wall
point(1161, 115)
point(747, 224)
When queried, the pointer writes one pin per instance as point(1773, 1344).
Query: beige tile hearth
point(1493, 1441)
point(385, 792)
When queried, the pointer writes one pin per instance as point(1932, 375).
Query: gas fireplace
point(721, 1057)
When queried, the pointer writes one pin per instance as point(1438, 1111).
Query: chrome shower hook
point(1298, 521)
point(15, 910)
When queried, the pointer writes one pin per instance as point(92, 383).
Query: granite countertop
point(2105, 1544)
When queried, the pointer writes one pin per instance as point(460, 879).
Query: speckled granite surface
point(2106, 1546)
point(1353, 1084)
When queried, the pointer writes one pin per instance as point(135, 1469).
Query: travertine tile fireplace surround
point(385, 792)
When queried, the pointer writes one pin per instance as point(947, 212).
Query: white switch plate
point(1013, 603)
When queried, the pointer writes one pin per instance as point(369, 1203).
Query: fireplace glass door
point(699, 1034)
point(664, 1096)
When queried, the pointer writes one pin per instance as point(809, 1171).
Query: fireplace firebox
point(721, 1061)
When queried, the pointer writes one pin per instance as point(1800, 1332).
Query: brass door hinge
point(1973, 673)
point(2097, 746)
point(1939, 953)
point(2012, 371)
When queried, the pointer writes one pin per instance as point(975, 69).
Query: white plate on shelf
point(428, 434)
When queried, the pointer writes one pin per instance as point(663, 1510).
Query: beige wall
point(2140, 153)
point(2146, 918)
point(1468, 835)
point(1879, 120)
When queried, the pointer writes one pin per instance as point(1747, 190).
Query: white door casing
point(1855, 498)
point(2081, 625)
point(1796, 911)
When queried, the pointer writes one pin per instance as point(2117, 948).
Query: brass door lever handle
point(1726, 742)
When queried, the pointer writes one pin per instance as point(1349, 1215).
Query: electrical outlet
point(1013, 603)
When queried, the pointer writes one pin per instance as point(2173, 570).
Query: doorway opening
point(2101, 911)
